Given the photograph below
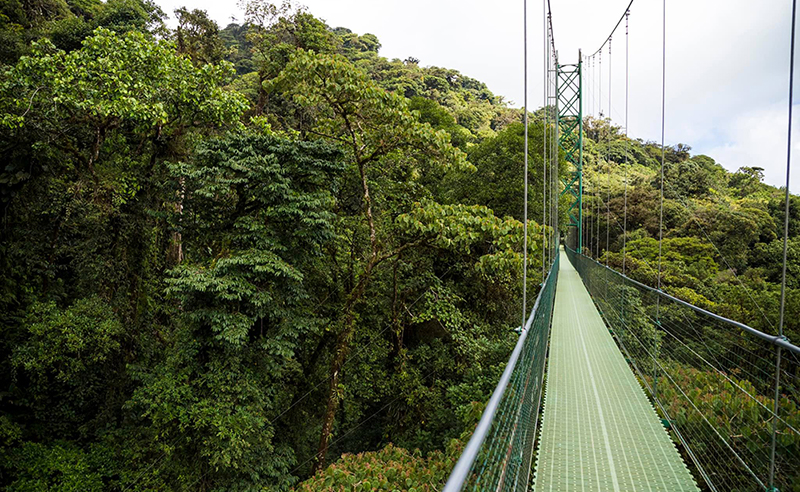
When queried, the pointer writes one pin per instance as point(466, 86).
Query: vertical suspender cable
point(598, 200)
point(591, 224)
point(597, 212)
point(608, 167)
point(608, 157)
point(553, 135)
point(625, 209)
point(544, 142)
point(557, 168)
point(585, 211)
point(591, 86)
point(525, 150)
point(625, 192)
point(661, 193)
point(590, 219)
point(785, 246)
point(553, 196)
point(600, 110)
point(663, 150)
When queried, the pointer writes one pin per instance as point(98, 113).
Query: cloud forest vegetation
point(264, 257)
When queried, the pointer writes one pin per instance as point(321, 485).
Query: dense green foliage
point(723, 232)
point(229, 256)
point(391, 468)
point(223, 251)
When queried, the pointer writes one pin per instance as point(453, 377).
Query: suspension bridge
point(597, 394)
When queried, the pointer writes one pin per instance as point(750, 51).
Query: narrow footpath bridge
point(599, 430)
point(615, 385)
point(606, 358)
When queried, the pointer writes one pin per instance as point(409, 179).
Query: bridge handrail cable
point(461, 472)
point(778, 341)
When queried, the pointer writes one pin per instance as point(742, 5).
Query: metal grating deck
point(599, 431)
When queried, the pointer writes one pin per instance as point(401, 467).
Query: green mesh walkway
point(599, 431)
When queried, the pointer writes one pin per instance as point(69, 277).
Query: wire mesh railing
point(498, 456)
point(712, 379)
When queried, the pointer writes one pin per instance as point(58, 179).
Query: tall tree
point(198, 36)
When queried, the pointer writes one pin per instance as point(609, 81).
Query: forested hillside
point(723, 231)
point(223, 250)
point(226, 253)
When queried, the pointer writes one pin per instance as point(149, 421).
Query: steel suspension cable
point(663, 149)
point(599, 202)
point(591, 86)
point(608, 155)
point(554, 155)
point(591, 224)
point(589, 217)
point(595, 109)
point(627, 142)
point(550, 28)
point(589, 91)
point(785, 248)
point(625, 191)
point(600, 85)
point(549, 150)
point(525, 151)
point(788, 170)
point(544, 142)
point(616, 26)
point(663, 153)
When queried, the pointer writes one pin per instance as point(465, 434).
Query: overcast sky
point(727, 61)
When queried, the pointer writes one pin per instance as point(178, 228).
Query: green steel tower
point(569, 109)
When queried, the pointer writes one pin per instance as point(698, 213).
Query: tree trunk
point(175, 253)
point(348, 319)
point(339, 359)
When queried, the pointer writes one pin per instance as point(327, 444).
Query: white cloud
point(758, 138)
